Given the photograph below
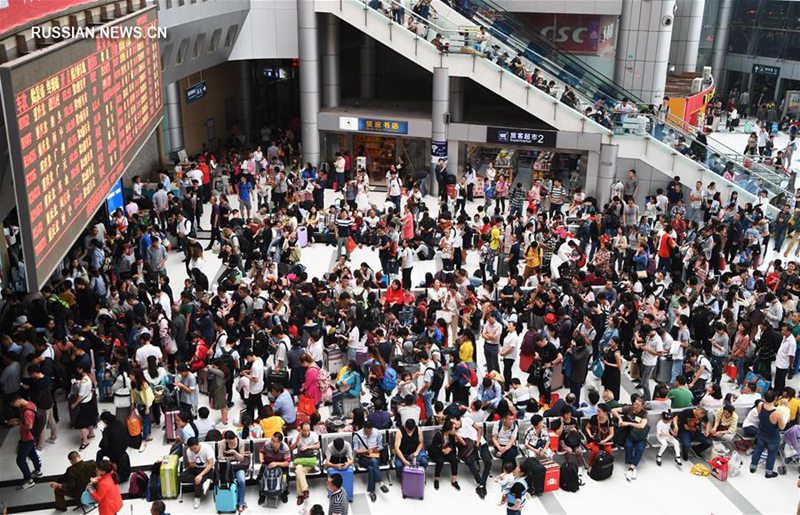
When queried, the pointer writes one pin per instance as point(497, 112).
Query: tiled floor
point(665, 489)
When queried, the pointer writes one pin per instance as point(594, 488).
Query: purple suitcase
point(302, 236)
point(414, 482)
point(361, 357)
point(170, 425)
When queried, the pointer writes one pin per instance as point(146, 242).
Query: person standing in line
point(491, 342)
point(26, 448)
point(784, 359)
point(770, 424)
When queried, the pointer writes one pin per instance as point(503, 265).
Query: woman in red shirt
point(105, 489)
point(394, 295)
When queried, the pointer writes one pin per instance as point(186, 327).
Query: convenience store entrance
point(523, 165)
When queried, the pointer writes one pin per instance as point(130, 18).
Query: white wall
point(269, 32)
point(562, 6)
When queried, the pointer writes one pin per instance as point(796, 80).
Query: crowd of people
point(673, 295)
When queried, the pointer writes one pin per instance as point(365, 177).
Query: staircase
point(461, 28)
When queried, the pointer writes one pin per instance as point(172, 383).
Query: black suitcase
point(281, 377)
point(324, 238)
point(664, 370)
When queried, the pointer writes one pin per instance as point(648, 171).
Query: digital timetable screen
point(76, 115)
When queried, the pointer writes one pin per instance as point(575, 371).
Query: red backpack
point(469, 373)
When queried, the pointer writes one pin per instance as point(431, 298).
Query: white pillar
point(720, 49)
point(367, 69)
point(309, 80)
point(174, 118)
point(686, 33)
point(246, 100)
point(456, 99)
point(643, 48)
point(439, 112)
point(331, 82)
point(606, 172)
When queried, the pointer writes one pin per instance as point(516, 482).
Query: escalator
point(449, 38)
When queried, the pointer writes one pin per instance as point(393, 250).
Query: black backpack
point(39, 421)
point(603, 466)
point(534, 475)
point(569, 480)
point(438, 379)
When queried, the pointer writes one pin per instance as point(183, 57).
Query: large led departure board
point(76, 115)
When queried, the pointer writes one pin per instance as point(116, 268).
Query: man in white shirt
point(256, 375)
point(652, 347)
point(491, 342)
point(199, 468)
point(146, 350)
point(784, 360)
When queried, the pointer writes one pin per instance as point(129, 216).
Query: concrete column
point(309, 80)
point(454, 157)
point(456, 99)
point(606, 171)
point(776, 96)
point(686, 34)
point(645, 33)
point(592, 173)
point(246, 100)
point(331, 82)
point(172, 102)
point(439, 110)
point(367, 69)
point(721, 37)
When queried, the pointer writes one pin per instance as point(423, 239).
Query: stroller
point(789, 448)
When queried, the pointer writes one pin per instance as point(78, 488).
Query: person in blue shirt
point(309, 173)
point(489, 393)
point(244, 189)
point(283, 404)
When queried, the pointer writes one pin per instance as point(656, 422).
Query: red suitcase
point(170, 425)
point(414, 482)
point(552, 476)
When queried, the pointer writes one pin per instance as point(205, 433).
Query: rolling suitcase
point(281, 377)
point(534, 475)
point(552, 476)
point(362, 355)
point(347, 480)
point(170, 425)
point(414, 482)
point(664, 370)
point(225, 489)
point(334, 360)
point(169, 477)
point(202, 381)
point(302, 236)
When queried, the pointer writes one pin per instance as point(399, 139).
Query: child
point(519, 396)
point(505, 480)
point(438, 413)
point(406, 386)
point(667, 438)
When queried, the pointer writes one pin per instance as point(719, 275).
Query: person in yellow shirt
point(466, 350)
point(793, 402)
point(533, 260)
point(270, 422)
point(495, 235)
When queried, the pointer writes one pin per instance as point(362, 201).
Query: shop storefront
point(524, 155)
point(377, 144)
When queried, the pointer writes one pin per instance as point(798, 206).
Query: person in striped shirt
point(557, 194)
point(343, 224)
point(337, 501)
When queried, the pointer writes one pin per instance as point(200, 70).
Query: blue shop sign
point(382, 126)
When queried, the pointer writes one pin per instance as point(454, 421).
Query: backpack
point(134, 425)
point(39, 421)
point(154, 486)
point(470, 374)
point(138, 484)
point(325, 385)
point(226, 359)
point(272, 482)
point(389, 381)
point(603, 466)
point(569, 480)
point(438, 378)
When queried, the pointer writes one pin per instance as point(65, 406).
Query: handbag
point(637, 435)
point(468, 450)
point(598, 368)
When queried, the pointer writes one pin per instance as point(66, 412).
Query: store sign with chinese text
point(382, 126)
point(507, 136)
